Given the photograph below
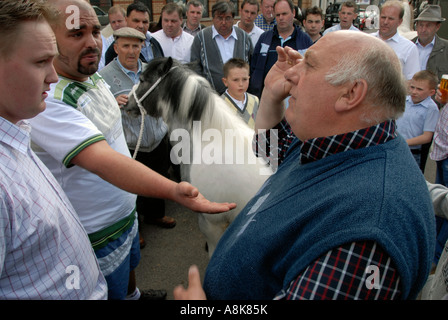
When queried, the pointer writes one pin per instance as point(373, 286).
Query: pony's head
point(170, 90)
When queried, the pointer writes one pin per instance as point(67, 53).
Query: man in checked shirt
point(347, 215)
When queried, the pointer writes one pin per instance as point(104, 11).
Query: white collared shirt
point(178, 48)
point(337, 27)
point(239, 103)
point(406, 51)
point(254, 34)
point(226, 46)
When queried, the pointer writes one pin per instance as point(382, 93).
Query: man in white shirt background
point(174, 41)
point(249, 11)
point(347, 14)
point(391, 16)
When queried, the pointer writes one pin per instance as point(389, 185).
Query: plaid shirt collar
point(319, 148)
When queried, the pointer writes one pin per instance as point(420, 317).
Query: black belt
point(416, 151)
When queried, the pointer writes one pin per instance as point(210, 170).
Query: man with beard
point(80, 139)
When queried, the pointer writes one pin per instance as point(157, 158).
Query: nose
point(52, 76)
point(93, 42)
point(292, 75)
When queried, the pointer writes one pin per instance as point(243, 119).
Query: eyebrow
point(83, 27)
point(308, 55)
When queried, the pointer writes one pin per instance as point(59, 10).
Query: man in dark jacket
point(285, 33)
point(137, 17)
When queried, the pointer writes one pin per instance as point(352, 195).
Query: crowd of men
point(322, 90)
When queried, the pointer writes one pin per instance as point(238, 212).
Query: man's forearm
point(270, 112)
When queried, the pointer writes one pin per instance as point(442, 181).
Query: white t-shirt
point(79, 114)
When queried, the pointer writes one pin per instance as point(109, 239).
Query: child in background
point(419, 120)
point(236, 79)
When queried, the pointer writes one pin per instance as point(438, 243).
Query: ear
point(432, 92)
point(168, 64)
point(353, 94)
point(115, 47)
point(224, 80)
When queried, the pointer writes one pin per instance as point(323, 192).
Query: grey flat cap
point(431, 12)
point(127, 32)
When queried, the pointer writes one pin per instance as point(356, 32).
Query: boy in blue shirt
point(418, 122)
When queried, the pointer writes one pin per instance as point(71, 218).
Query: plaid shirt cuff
point(346, 273)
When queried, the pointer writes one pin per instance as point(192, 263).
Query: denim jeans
point(117, 259)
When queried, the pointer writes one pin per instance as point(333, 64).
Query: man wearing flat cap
point(433, 50)
point(121, 74)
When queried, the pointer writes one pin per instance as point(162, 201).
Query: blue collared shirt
point(134, 76)
point(147, 50)
point(418, 118)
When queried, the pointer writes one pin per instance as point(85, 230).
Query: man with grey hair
point(348, 204)
point(215, 45)
point(193, 13)
point(121, 74)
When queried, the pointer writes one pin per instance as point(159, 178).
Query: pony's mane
point(184, 96)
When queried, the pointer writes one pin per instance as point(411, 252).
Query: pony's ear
point(168, 64)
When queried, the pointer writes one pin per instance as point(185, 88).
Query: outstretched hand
point(194, 290)
point(190, 197)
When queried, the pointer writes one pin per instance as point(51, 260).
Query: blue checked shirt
point(261, 22)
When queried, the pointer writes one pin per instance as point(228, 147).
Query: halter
point(142, 110)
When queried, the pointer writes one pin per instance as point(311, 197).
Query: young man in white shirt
point(249, 10)
point(174, 41)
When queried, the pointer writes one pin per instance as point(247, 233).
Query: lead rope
point(143, 112)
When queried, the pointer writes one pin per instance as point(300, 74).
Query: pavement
point(170, 252)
